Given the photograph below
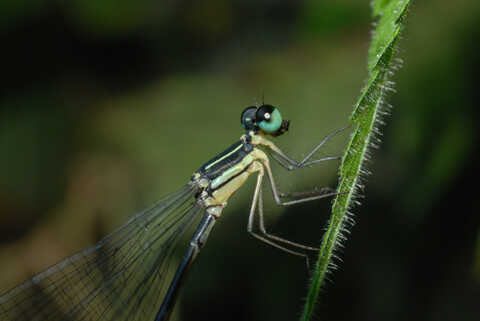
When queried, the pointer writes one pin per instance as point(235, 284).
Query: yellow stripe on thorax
point(223, 157)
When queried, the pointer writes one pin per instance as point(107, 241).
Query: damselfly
point(126, 276)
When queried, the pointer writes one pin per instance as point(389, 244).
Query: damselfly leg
point(297, 197)
point(290, 164)
point(315, 191)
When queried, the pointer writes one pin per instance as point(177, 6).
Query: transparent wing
point(122, 277)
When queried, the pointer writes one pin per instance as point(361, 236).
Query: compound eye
point(248, 118)
point(269, 119)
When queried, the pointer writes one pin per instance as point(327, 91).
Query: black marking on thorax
point(226, 159)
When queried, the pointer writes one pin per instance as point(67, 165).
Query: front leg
point(277, 195)
point(291, 164)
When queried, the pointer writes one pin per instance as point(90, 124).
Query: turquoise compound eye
point(269, 119)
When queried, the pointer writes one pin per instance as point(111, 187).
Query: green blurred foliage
point(106, 106)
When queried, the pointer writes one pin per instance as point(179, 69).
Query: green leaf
point(364, 120)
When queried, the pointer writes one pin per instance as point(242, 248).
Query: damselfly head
point(248, 119)
point(266, 119)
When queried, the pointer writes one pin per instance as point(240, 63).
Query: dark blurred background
point(108, 105)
